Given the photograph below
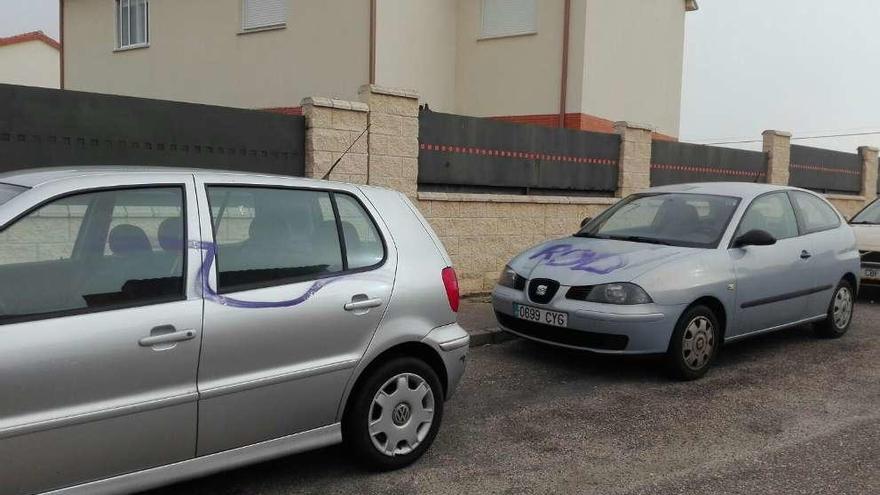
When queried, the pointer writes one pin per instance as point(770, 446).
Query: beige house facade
point(576, 63)
point(30, 59)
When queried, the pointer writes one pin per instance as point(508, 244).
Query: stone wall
point(483, 231)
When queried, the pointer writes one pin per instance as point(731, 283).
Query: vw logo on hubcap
point(401, 414)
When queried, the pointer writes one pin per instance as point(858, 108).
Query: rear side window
point(363, 246)
point(94, 251)
point(772, 213)
point(815, 214)
point(8, 191)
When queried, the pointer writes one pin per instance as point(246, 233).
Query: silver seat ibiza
point(681, 269)
point(160, 324)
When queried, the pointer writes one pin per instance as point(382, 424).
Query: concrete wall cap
point(320, 101)
point(869, 149)
point(385, 90)
point(622, 124)
point(771, 132)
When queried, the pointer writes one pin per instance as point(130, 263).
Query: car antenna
point(327, 175)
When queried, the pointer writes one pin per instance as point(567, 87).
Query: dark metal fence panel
point(469, 151)
point(44, 127)
point(676, 163)
point(825, 170)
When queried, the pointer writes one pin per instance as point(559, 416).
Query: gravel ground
point(782, 413)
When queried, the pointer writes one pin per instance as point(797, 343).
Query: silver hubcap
point(401, 414)
point(843, 307)
point(698, 342)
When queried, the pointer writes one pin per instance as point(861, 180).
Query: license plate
point(538, 315)
point(870, 273)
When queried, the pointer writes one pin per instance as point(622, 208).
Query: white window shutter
point(509, 17)
point(263, 13)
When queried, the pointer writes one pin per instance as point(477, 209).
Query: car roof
point(744, 190)
point(39, 176)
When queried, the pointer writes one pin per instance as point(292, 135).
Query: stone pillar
point(393, 138)
point(331, 127)
point(634, 164)
point(777, 145)
point(869, 172)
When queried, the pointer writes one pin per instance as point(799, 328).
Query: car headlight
point(510, 278)
point(618, 293)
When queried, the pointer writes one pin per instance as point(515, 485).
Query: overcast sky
point(806, 66)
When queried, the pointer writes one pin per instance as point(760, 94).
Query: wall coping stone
point(515, 198)
point(873, 149)
point(773, 132)
point(621, 124)
point(385, 90)
point(848, 197)
point(320, 101)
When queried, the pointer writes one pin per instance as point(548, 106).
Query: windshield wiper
point(638, 238)
point(863, 222)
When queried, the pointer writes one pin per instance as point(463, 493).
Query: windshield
point(870, 215)
point(8, 191)
point(677, 219)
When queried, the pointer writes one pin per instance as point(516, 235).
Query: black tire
point(355, 424)
point(682, 362)
point(830, 328)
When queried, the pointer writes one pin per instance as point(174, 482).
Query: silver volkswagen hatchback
point(681, 269)
point(161, 324)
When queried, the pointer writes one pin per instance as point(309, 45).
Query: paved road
point(783, 413)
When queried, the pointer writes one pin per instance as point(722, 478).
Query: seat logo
point(541, 290)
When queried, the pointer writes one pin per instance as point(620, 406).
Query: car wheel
point(694, 344)
point(840, 312)
point(394, 414)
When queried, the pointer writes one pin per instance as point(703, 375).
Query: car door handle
point(166, 335)
point(363, 304)
point(805, 255)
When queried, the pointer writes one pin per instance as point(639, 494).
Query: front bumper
point(452, 343)
point(601, 328)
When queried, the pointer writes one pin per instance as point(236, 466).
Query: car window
point(815, 213)
point(870, 215)
point(92, 251)
point(271, 236)
point(697, 220)
point(9, 191)
point(772, 213)
point(363, 246)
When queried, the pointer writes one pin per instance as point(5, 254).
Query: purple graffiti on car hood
point(582, 261)
point(209, 293)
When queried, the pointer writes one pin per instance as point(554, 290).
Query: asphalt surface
point(782, 413)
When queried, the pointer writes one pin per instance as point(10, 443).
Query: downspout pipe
point(61, 41)
point(563, 85)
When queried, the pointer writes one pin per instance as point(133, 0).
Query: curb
point(489, 336)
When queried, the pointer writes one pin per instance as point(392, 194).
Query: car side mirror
point(586, 221)
point(755, 237)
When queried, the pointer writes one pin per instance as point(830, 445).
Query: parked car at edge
point(866, 225)
point(681, 269)
point(168, 323)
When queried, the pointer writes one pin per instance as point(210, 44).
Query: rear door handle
point(166, 335)
point(805, 255)
point(363, 304)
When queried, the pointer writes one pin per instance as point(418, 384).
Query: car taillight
point(450, 282)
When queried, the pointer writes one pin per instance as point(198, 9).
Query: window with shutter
point(509, 18)
point(259, 14)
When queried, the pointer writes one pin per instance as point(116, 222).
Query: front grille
point(870, 257)
point(550, 288)
point(565, 336)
